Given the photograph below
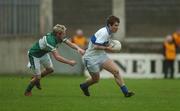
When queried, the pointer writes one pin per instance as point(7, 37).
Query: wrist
point(69, 62)
point(77, 48)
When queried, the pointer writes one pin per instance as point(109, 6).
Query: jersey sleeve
point(100, 39)
point(101, 36)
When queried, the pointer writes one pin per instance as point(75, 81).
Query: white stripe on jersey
point(48, 44)
point(42, 43)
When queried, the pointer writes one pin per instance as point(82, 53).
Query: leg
point(47, 71)
point(34, 81)
point(165, 68)
point(94, 79)
point(110, 66)
point(172, 69)
point(47, 63)
point(94, 73)
point(84, 86)
point(43, 74)
point(35, 66)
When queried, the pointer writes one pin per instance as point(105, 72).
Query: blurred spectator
point(79, 39)
point(176, 38)
point(169, 51)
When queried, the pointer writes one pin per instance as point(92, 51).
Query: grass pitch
point(62, 93)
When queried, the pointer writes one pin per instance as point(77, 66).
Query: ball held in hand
point(116, 45)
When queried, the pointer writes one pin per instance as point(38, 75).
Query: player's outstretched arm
point(74, 46)
point(62, 59)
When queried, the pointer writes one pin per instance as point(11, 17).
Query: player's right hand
point(72, 62)
point(81, 51)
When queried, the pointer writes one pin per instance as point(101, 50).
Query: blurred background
point(144, 25)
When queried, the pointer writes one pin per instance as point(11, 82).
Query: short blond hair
point(59, 28)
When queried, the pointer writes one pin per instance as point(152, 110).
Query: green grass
point(62, 93)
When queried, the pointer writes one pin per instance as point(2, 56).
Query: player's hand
point(81, 51)
point(109, 48)
point(72, 62)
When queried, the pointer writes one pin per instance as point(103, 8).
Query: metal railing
point(19, 17)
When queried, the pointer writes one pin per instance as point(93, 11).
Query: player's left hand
point(72, 62)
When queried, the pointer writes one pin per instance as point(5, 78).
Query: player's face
point(114, 27)
point(61, 35)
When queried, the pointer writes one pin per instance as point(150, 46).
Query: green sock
point(29, 88)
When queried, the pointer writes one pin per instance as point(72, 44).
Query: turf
point(62, 93)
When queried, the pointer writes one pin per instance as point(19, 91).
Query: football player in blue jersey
point(96, 59)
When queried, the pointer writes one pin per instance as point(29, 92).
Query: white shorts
point(35, 63)
point(94, 64)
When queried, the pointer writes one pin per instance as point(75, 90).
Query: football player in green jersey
point(39, 55)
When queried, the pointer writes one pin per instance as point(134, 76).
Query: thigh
point(35, 65)
point(92, 67)
point(46, 61)
point(94, 64)
point(110, 66)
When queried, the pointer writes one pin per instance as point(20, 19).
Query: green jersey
point(46, 44)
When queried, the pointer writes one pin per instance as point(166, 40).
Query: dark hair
point(111, 20)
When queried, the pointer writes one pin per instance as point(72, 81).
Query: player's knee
point(50, 70)
point(115, 72)
point(96, 80)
